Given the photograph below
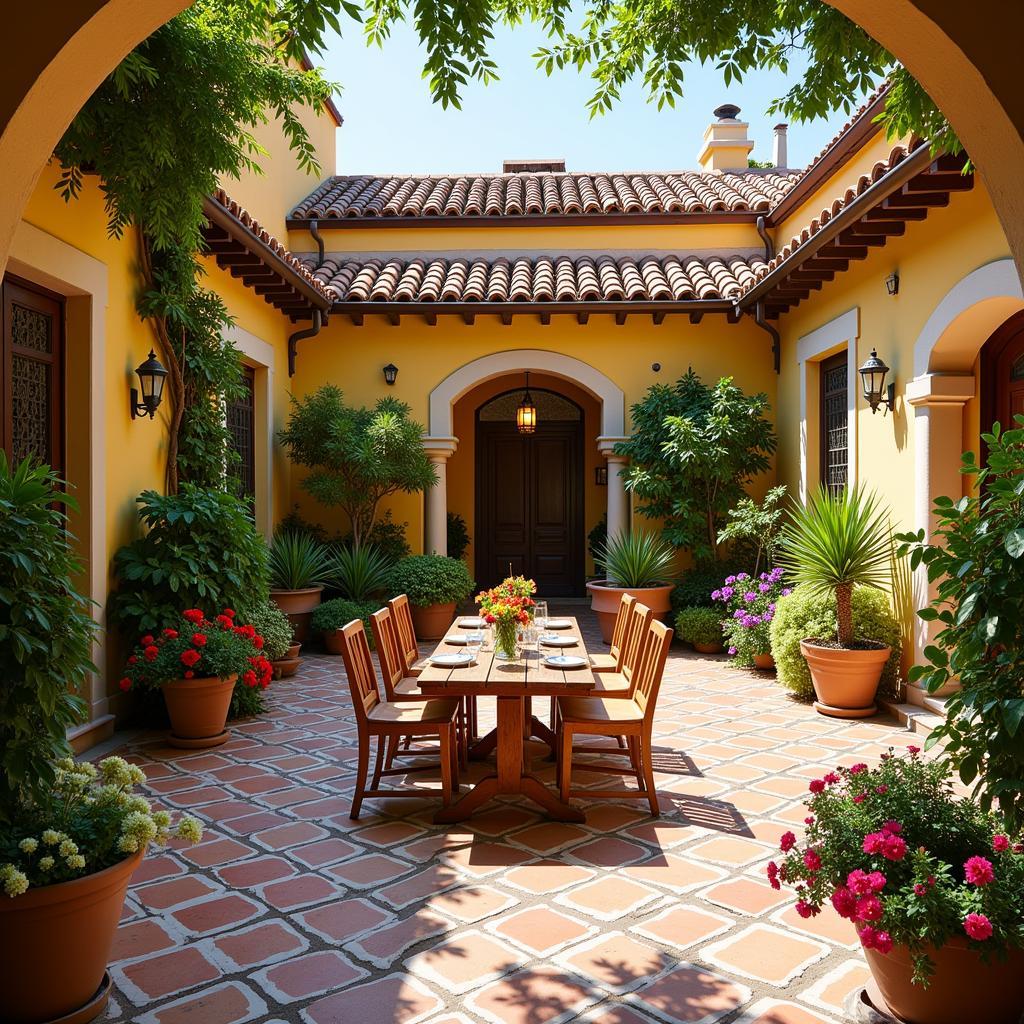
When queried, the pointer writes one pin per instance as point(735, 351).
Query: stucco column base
point(435, 538)
point(618, 504)
point(938, 401)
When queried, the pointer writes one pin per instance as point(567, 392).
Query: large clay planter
point(334, 641)
point(287, 666)
point(55, 943)
point(298, 605)
point(764, 662)
point(845, 682)
point(198, 709)
point(963, 990)
point(707, 648)
point(605, 600)
point(431, 621)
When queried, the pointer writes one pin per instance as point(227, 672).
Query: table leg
point(484, 747)
point(510, 777)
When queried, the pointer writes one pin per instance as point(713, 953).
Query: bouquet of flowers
point(508, 607)
point(750, 608)
point(907, 862)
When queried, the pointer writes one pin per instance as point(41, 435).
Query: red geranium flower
point(229, 613)
point(151, 652)
point(199, 639)
point(249, 678)
point(171, 634)
point(146, 640)
point(125, 684)
point(189, 674)
point(978, 926)
point(193, 615)
point(190, 657)
point(978, 871)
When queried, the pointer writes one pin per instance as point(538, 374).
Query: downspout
point(314, 230)
point(769, 245)
point(308, 332)
point(759, 319)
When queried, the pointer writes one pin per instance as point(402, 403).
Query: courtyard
point(290, 911)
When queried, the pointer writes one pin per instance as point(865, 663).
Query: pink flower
point(844, 901)
point(787, 842)
point(811, 860)
point(894, 848)
point(830, 778)
point(772, 871)
point(817, 786)
point(872, 939)
point(883, 942)
point(1000, 843)
point(858, 768)
point(859, 798)
point(869, 908)
point(874, 842)
point(877, 881)
point(867, 936)
point(912, 750)
point(809, 820)
point(978, 927)
point(805, 910)
point(920, 890)
point(978, 871)
point(882, 789)
point(859, 882)
point(892, 827)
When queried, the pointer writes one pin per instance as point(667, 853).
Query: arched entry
point(1002, 375)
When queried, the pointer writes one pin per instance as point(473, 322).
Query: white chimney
point(726, 146)
point(780, 156)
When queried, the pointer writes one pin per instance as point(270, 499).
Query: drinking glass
point(540, 614)
point(474, 642)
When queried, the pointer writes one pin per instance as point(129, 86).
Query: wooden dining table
point(512, 684)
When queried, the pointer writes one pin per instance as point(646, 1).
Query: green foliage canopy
point(693, 450)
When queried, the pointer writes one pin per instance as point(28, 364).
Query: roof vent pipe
point(780, 153)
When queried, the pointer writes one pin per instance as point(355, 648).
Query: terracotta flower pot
point(707, 648)
point(605, 599)
point(764, 662)
point(55, 943)
point(298, 605)
point(333, 641)
point(962, 989)
point(198, 709)
point(431, 621)
point(287, 666)
point(845, 682)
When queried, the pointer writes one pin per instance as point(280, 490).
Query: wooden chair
point(612, 661)
point(399, 686)
point(386, 719)
point(632, 717)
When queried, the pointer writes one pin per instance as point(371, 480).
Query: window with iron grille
point(242, 426)
point(834, 424)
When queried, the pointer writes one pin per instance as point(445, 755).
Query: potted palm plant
point(434, 585)
point(636, 563)
point(833, 544)
point(299, 568)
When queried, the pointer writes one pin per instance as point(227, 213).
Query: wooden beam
point(929, 199)
point(817, 263)
point(394, 319)
point(545, 319)
point(811, 275)
point(506, 319)
point(250, 273)
point(356, 318)
point(846, 252)
point(582, 318)
point(695, 318)
point(430, 319)
point(851, 237)
point(620, 317)
point(469, 319)
point(879, 227)
point(658, 318)
point(886, 211)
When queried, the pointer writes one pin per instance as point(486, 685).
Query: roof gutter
point(294, 339)
point(759, 319)
point(623, 306)
point(890, 182)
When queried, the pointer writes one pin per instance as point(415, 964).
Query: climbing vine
point(172, 121)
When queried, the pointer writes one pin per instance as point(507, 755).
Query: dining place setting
point(511, 652)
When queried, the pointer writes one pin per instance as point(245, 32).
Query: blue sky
point(391, 125)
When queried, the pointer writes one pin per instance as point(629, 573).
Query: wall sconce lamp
point(601, 476)
point(872, 376)
point(390, 374)
point(151, 376)
point(892, 283)
point(526, 414)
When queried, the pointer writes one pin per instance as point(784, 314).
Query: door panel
point(1002, 371)
point(530, 506)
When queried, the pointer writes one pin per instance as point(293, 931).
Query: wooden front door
point(1002, 372)
point(529, 505)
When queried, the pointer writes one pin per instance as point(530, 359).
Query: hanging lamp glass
point(526, 414)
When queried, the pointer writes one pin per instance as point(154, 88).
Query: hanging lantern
point(526, 414)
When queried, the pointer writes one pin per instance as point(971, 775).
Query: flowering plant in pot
point(930, 881)
point(278, 635)
point(837, 542)
point(749, 610)
point(196, 663)
point(636, 563)
point(507, 608)
point(434, 585)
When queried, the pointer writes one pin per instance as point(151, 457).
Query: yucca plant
point(636, 559)
point(298, 561)
point(360, 572)
point(835, 543)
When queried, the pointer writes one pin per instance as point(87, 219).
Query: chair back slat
point(404, 629)
point(647, 681)
point(389, 652)
point(623, 619)
point(362, 680)
point(632, 646)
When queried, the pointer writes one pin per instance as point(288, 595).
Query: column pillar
point(618, 500)
point(435, 536)
point(938, 401)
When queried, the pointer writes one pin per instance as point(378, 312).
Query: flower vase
point(506, 640)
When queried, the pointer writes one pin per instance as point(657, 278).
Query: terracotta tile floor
point(289, 911)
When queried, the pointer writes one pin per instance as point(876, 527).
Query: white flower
point(138, 803)
point(117, 771)
point(190, 830)
point(28, 845)
point(68, 848)
point(138, 775)
point(14, 881)
point(45, 863)
point(77, 861)
point(51, 837)
point(128, 844)
point(162, 819)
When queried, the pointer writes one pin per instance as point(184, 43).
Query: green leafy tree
point(357, 456)
point(693, 450)
point(755, 528)
point(977, 559)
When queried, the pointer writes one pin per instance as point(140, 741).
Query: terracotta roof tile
point(535, 278)
point(540, 195)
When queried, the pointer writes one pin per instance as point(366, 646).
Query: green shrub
point(431, 579)
point(295, 523)
point(297, 561)
point(45, 634)
point(804, 615)
point(200, 550)
point(458, 536)
point(272, 624)
point(360, 573)
point(699, 626)
point(597, 537)
point(695, 585)
point(332, 615)
point(635, 559)
point(386, 535)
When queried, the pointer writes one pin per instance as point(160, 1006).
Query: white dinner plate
point(471, 623)
point(565, 661)
point(558, 641)
point(452, 660)
point(558, 624)
point(458, 639)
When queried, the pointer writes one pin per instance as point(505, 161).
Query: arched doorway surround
point(945, 357)
point(440, 441)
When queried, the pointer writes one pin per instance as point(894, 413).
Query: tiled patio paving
point(289, 911)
